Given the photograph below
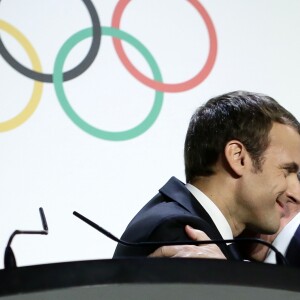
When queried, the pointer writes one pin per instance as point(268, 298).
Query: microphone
point(9, 257)
point(281, 260)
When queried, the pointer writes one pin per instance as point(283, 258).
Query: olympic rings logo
point(96, 32)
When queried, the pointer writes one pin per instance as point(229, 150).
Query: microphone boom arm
point(279, 257)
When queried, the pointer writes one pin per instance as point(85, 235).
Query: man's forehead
point(284, 136)
point(283, 130)
point(285, 146)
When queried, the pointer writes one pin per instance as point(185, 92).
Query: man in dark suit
point(286, 239)
point(240, 148)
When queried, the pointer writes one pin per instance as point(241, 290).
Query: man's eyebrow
point(291, 167)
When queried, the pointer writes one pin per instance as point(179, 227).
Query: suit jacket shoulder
point(164, 217)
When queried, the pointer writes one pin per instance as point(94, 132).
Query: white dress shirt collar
point(214, 212)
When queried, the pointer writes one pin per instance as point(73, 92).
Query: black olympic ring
point(76, 71)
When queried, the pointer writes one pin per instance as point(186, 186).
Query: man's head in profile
point(240, 150)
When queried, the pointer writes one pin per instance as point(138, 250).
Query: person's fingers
point(204, 251)
point(157, 253)
point(165, 251)
point(189, 251)
point(195, 234)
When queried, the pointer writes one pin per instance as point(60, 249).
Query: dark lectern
point(151, 279)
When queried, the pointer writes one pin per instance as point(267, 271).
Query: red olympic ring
point(168, 87)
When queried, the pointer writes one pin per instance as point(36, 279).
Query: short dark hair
point(240, 115)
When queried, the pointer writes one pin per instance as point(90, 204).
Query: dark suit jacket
point(293, 251)
point(163, 219)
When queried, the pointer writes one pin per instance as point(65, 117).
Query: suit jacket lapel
point(177, 191)
point(293, 250)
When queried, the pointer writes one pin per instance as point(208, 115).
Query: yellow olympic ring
point(38, 86)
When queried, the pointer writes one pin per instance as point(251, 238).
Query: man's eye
point(298, 176)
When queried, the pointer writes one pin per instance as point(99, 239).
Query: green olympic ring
point(58, 84)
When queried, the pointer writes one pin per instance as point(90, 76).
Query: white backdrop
point(49, 161)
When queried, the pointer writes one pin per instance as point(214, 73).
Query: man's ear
point(236, 155)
